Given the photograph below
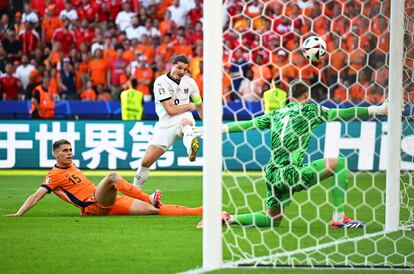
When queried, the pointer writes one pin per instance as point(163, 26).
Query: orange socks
point(177, 210)
point(170, 210)
point(132, 191)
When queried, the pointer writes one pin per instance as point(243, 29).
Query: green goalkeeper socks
point(339, 184)
point(258, 219)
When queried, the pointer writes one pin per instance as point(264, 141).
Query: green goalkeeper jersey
point(290, 131)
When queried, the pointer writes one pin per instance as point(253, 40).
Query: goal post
point(392, 212)
point(212, 57)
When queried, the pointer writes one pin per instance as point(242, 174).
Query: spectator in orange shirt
point(162, 7)
point(55, 56)
point(182, 48)
point(351, 42)
point(84, 67)
point(129, 52)
point(307, 72)
point(54, 84)
point(167, 25)
point(337, 63)
point(340, 93)
point(194, 66)
point(358, 91)
point(165, 49)
point(109, 52)
point(103, 94)
point(375, 94)
point(146, 48)
point(50, 23)
point(98, 68)
point(261, 72)
point(88, 94)
point(199, 78)
point(144, 75)
point(289, 72)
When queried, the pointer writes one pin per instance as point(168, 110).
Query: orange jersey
point(71, 185)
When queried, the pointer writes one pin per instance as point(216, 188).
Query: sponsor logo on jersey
point(186, 90)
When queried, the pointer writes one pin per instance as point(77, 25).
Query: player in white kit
point(172, 92)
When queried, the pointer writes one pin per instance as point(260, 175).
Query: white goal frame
point(212, 148)
point(392, 202)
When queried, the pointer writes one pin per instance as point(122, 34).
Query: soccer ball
point(314, 48)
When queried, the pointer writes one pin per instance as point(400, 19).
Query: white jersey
point(166, 88)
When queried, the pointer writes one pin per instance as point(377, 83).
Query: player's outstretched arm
point(238, 126)
point(261, 122)
point(357, 112)
point(30, 202)
point(172, 109)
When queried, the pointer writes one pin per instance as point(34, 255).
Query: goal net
point(262, 52)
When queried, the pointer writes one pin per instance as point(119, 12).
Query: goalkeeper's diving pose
point(290, 130)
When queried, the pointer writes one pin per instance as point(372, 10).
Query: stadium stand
point(76, 42)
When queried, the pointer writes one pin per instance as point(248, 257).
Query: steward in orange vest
point(43, 105)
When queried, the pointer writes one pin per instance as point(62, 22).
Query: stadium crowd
point(90, 50)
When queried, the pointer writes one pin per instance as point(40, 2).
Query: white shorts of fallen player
point(166, 133)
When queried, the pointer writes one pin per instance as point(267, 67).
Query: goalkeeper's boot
point(347, 223)
point(195, 146)
point(225, 220)
point(155, 198)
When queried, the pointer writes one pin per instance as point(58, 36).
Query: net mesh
point(261, 52)
point(407, 144)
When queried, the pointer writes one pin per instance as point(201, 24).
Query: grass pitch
point(52, 238)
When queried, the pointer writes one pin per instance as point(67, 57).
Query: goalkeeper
point(290, 130)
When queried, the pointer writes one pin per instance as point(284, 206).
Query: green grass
point(52, 238)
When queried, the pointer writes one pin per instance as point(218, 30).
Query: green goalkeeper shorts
point(281, 183)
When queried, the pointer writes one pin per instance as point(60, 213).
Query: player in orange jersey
point(71, 185)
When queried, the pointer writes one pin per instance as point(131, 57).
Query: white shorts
point(166, 134)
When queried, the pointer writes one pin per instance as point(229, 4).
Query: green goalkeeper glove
point(382, 109)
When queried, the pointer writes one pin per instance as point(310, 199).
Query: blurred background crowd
point(90, 50)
